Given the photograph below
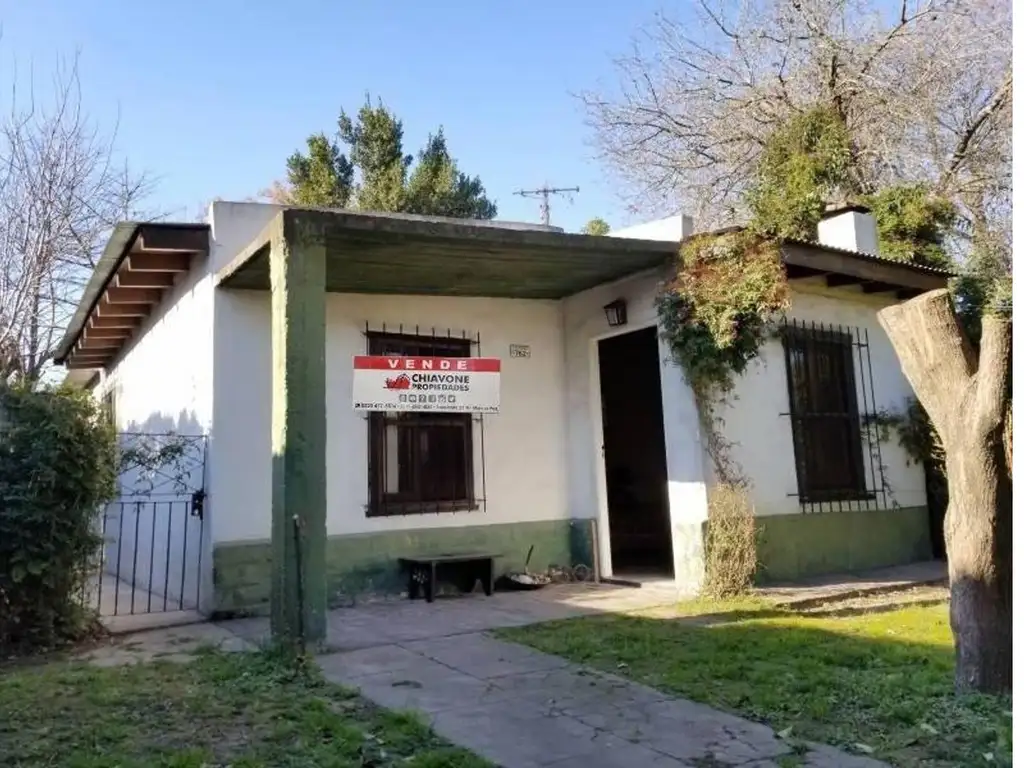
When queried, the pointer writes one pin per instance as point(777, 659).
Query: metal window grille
point(422, 463)
point(832, 400)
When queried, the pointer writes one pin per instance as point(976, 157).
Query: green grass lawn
point(242, 710)
point(883, 680)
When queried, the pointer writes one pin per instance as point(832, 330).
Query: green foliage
point(372, 145)
point(805, 162)
point(374, 141)
point(323, 176)
point(717, 309)
point(716, 312)
point(596, 227)
point(985, 286)
point(58, 466)
point(439, 188)
point(913, 223)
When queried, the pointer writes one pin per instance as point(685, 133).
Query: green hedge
point(57, 470)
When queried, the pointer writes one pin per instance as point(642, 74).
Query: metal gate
point(152, 554)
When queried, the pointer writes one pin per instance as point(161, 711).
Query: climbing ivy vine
point(717, 309)
point(721, 303)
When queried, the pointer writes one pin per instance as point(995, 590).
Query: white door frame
point(604, 541)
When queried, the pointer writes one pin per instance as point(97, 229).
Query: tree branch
point(992, 380)
point(995, 103)
point(935, 355)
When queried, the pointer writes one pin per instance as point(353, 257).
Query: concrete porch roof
point(406, 254)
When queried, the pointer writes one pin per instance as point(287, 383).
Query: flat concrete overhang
point(419, 255)
point(405, 254)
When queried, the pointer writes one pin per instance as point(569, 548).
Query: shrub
point(57, 468)
point(730, 543)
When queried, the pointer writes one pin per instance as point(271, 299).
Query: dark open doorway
point(636, 475)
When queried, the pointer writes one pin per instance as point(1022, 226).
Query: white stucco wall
point(524, 445)
point(763, 436)
point(671, 228)
point(163, 381)
point(238, 334)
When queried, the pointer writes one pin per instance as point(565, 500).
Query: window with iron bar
point(419, 462)
point(827, 439)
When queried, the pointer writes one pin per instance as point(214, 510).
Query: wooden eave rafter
point(859, 272)
point(156, 257)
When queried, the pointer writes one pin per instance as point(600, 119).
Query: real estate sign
point(438, 384)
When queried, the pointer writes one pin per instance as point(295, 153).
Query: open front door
point(636, 476)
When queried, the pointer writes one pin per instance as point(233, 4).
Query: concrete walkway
point(524, 709)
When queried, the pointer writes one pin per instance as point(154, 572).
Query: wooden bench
point(462, 569)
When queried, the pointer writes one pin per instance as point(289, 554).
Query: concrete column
point(298, 600)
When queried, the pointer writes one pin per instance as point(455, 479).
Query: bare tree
point(278, 193)
point(924, 89)
point(966, 394)
point(61, 191)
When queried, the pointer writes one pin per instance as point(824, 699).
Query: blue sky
point(211, 97)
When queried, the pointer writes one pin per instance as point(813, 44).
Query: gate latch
point(198, 497)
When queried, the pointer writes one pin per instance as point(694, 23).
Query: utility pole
point(544, 193)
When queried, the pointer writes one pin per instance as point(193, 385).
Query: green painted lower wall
point(798, 546)
point(790, 547)
point(363, 564)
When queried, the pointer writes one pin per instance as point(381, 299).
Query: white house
point(245, 330)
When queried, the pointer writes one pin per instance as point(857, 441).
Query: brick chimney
point(851, 227)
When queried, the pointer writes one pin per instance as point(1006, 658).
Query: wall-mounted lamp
point(616, 312)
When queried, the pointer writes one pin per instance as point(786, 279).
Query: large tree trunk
point(966, 395)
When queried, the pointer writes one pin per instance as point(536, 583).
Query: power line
point(544, 193)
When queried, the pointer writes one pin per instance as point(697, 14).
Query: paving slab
point(517, 736)
point(578, 691)
point(689, 731)
point(484, 657)
point(429, 686)
point(367, 662)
